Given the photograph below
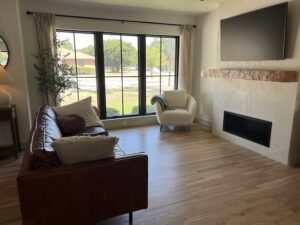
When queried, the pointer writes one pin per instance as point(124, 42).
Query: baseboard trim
point(130, 122)
point(203, 122)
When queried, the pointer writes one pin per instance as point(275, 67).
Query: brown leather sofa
point(78, 194)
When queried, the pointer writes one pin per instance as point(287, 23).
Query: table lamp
point(5, 97)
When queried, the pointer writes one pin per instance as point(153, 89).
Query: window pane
point(112, 54)
point(88, 87)
point(113, 96)
point(168, 56)
point(85, 54)
point(130, 55)
point(152, 56)
point(70, 95)
point(152, 88)
point(66, 50)
point(167, 83)
point(131, 96)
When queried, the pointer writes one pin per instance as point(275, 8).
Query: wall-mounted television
point(254, 36)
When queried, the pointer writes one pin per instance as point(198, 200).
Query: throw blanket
point(162, 101)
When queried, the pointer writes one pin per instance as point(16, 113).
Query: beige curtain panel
point(185, 63)
point(45, 28)
point(46, 36)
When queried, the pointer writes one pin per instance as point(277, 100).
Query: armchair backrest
point(176, 98)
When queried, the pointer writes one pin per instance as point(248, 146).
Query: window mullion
point(142, 73)
point(160, 42)
point(100, 73)
point(76, 69)
point(176, 62)
point(121, 48)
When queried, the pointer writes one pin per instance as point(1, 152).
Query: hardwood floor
point(194, 179)
point(9, 201)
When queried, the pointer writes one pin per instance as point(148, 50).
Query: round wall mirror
point(4, 53)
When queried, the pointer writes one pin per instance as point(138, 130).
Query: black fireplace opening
point(252, 129)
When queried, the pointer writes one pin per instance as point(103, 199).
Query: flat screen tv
point(254, 36)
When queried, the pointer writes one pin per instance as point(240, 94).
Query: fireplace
point(252, 129)
point(263, 94)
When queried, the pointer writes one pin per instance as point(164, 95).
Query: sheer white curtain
point(185, 62)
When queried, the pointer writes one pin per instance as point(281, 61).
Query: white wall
point(11, 32)
point(88, 25)
point(209, 58)
point(206, 56)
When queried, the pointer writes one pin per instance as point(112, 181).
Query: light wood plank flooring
point(194, 179)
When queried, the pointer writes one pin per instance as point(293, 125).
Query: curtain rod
point(115, 20)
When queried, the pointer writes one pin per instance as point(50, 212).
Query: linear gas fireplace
point(252, 129)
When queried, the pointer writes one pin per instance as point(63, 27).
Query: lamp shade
point(5, 97)
point(5, 78)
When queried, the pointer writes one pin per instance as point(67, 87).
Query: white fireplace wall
point(207, 50)
point(271, 101)
point(207, 56)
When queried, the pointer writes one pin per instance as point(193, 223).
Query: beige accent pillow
point(82, 108)
point(77, 149)
point(176, 98)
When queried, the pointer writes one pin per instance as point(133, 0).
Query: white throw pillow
point(82, 108)
point(176, 98)
point(77, 149)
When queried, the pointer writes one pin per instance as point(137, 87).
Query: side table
point(10, 115)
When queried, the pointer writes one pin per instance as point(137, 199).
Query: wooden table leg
point(14, 135)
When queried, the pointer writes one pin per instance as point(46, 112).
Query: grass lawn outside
point(87, 86)
point(113, 100)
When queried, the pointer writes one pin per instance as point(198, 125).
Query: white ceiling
point(184, 7)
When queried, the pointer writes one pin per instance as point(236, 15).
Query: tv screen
point(257, 35)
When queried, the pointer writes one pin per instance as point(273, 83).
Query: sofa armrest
point(84, 193)
point(191, 105)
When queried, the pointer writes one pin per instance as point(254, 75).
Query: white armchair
point(184, 112)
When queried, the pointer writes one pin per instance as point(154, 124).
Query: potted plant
point(53, 75)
